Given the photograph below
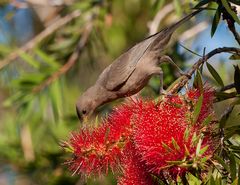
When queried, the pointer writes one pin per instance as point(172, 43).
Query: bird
point(130, 72)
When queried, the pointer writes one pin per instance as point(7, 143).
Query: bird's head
point(86, 104)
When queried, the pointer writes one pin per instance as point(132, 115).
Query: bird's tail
point(160, 39)
point(174, 26)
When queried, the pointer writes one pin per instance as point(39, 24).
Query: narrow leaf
point(235, 182)
point(225, 117)
point(221, 161)
point(230, 11)
point(234, 57)
point(56, 99)
point(233, 167)
point(237, 2)
point(186, 134)
point(29, 59)
point(167, 148)
point(202, 3)
point(198, 83)
point(197, 109)
point(199, 147)
point(178, 6)
point(237, 78)
point(207, 120)
point(212, 181)
point(215, 74)
point(216, 20)
point(223, 95)
point(175, 145)
point(46, 58)
point(203, 150)
point(187, 153)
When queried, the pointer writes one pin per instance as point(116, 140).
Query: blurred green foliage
point(35, 117)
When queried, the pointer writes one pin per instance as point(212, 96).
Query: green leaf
point(211, 181)
point(221, 161)
point(12, 99)
point(46, 58)
point(5, 49)
point(187, 153)
point(237, 78)
point(230, 11)
point(175, 145)
point(197, 109)
point(30, 60)
point(167, 148)
point(215, 74)
point(193, 180)
point(237, 2)
point(235, 182)
point(199, 147)
point(29, 79)
point(203, 150)
point(207, 120)
point(56, 99)
point(216, 20)
point(64, 45)
point(186, 134)
point(198, 83)
point(224, 95)
point(202, 3)
point(178, 6)
point(233, 167)
point(234, 57)
point(224, 118)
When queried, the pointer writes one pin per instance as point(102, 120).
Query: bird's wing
point(124, 65)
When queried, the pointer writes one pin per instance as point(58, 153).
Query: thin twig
point(71, 61)
point(192, 32)
point(230, 22)
point(227, 87)
point(232, 28)
point(32, 43)
point(184, 79)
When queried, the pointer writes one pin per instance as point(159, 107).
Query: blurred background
point(52, 50)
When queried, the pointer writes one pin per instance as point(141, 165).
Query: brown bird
point(130, 72)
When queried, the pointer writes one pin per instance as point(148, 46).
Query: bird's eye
point(84, 111)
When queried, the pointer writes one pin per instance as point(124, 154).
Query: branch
point(230, 22)
point(71, 61)
point(232, 28)
point(192, 32)
point(227, 87)
point(184, 79)
point(48, 31)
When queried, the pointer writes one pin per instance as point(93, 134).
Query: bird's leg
point(166, 58)
point(161, 90)
point(159, 71)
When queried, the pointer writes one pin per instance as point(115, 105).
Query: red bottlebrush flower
point(94, 150)
point(145, 137)
point(134, 170)
point(164, 133)
point(207, 104)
